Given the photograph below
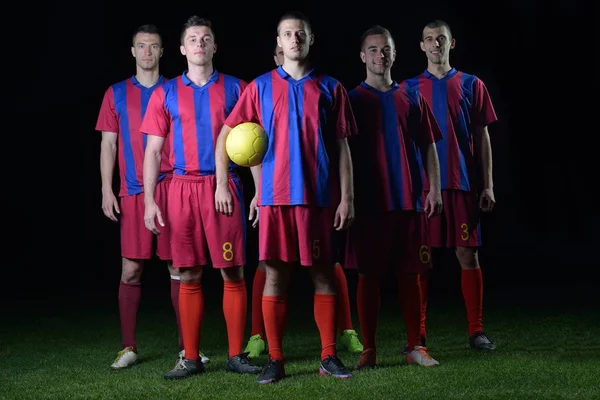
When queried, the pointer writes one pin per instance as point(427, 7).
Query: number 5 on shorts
point(316, 250)
point(227, 251)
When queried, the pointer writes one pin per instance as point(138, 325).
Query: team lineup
point(421, 179)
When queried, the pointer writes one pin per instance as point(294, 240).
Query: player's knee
point(131, 270)
point(233, 274)
point(467, 257)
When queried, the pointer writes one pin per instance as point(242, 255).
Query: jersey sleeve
point(108, 119)
point(483, 112)
point(246, 108)
point(345, 122)
point(429, 130)
point(157, 119)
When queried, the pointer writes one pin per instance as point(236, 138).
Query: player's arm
point(346, 185)
point(223, 198)
point(108, 157)
point(433, 176)
point(484, 145)
point(253, 213)
point(155, 126)
point(429, 134)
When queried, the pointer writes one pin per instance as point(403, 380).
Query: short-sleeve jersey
point(460, 103)
point(191, 118)
point(122, 112)
point(395, 128)
point(303, 119)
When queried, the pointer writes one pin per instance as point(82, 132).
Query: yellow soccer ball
point(247, 144)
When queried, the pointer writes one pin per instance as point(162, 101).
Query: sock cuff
point(175, 277)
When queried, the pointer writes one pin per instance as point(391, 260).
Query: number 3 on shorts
point(316, 250)
point(227, 251)
point(465, 231)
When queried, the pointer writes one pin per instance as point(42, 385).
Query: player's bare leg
point(472, 289)
point(191, 308)
point(274, 307)
point(175, 283)
point(256, 344)
point(235, 309)
point(325, 310)
point(129, 301)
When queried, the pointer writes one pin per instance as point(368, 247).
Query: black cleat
point(405, 348)
point(272, 372)
point(480, 341)
point(333, 366)
point(241, 364)
point(184, 369)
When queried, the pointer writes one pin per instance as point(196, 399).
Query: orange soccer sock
point(424, 281)
point(409, 299)
point(324, 310)
point(472, 288)
point(275, 316)
point(258, 286)
point(234, 308)
point(344, 317)
point(368, 303)
point(191, 310)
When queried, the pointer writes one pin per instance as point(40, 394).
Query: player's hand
point(433, 203)
point(110, 205)
point(253, 214)
point(344, 215)
point(151, 214)
point(487, 200)
point(224, 201)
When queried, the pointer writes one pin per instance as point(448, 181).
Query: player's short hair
point(438, 23)
point(148, 28)
point(375, 30)
point(195, 20)
point(295, 15)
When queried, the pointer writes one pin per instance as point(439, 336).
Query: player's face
point(147, 50)
point(378, 53)
point(198, 45)
point(278, 57)
point(295, 39)
point(437, 44)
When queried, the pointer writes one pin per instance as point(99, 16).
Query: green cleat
point(255, 347)
point(349, 340)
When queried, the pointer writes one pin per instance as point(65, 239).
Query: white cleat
point(125, 358)
point(420, 357)
point(203, 359)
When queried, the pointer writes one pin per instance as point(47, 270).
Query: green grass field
point(548, 347)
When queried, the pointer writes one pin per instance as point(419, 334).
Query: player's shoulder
point(229, 79)
point(412, 82)
point(119, 85)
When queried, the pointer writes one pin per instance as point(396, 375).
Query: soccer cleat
point(255, 347)
point(349, 340)
point(184, 369)
point(404, 349)
point(241, 364)
point(368, 360)
point(272, 372)
point(480, 341)
point(125, 358)
point(205, 360)
point(333, 366)
point(420, 357)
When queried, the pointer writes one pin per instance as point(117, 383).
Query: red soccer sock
point(424, 281)
point(129, 303)
point(235, 301)
point(472, 288)
point(344, 318)
point(409, 299)
point(175, 301)
point(368, 302)
point(324, 310)
point(191, 311)
point(258, 286)
point(275, 316)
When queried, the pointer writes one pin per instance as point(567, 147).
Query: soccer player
point(187, 113)
point(348, 336)
point(397, 134)
point(463, 109)
point(304, 185)
point(119, 120)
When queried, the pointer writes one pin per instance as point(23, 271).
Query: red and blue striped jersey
point(460, 103)
point(395, 127)
point(122, 112)
point(192, 116)
point(303, 120)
